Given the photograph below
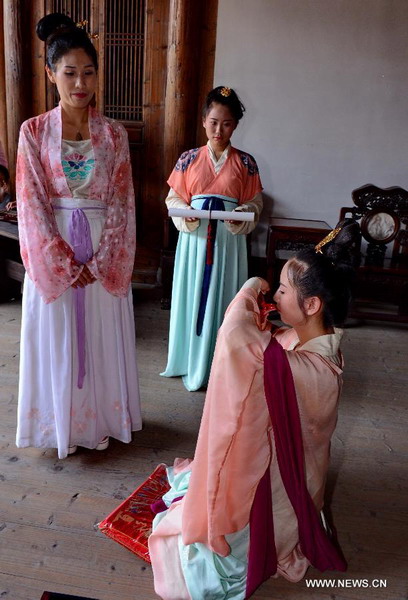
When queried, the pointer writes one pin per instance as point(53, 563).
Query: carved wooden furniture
point(381, 290)
point(285, 238)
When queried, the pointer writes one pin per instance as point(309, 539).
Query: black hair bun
point(51, 23)
point(344, 250)
point(226, 96)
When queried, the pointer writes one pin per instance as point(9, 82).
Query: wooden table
point(285, 238)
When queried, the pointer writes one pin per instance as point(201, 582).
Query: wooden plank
point(49, 508)
point(206, 58)
point(3, 104)
point(71, 563)
point(38, 78)
point(16, 25)
point(182, 80)
point(15, 270)
point(9, 230)
point(151, 206)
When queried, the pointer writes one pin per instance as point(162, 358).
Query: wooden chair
point(381, 289)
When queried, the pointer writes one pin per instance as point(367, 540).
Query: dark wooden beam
point(3, 107)
point(38, 76)
point(182, 79)
point(17, 71)
point(208, 32)
point(150, 204)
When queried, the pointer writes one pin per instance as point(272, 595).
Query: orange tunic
point(194, 174)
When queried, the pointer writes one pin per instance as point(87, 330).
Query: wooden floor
point(49, 508)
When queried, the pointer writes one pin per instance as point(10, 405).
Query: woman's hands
point(84, 279)
point(190, 219)
point(258, 284)
point(264, 285)
point(238, 209)
point(11, 205)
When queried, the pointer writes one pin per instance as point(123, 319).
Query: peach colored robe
point(194, 175)
point(236, 445)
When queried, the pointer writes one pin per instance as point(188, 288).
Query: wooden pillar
point(38, 102)
point(182, 80)
point(3, 109)
point(149, 204)
point(17, 71)
point(208, 33)
point(178, 70)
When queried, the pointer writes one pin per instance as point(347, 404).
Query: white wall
point(325, 85)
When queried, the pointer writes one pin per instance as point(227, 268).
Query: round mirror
point(380, 226)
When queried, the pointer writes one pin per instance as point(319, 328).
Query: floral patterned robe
point(47, 258)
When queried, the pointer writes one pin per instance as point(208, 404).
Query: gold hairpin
point(329, 237)
point(225, 91)
point(82, 25)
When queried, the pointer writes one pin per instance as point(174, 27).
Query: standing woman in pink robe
point(78, 374)
point(248, 506)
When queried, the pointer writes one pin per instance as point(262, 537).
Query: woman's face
point(287, 303)
point(219, 125)
point(75, 78)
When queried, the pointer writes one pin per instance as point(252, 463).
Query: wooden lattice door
point(117, 30)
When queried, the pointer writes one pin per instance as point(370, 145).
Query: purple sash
point(81, 242)
point(321, 552)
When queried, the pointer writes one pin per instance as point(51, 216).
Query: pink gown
point(235, 447)
point(56, 179)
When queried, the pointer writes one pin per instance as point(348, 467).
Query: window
point(118, 32)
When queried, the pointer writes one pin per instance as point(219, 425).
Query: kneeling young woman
point(248, 506)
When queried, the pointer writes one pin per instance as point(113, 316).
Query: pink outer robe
point(47, 258)
point(236, 445)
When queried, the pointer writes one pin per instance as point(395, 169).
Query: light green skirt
point(191, 355)
point(207, 575)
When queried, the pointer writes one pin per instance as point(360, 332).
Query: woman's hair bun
point(51, 23)
point(344, 249)
point(62, 35)
point(226, 96)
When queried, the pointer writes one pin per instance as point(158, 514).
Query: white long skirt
point(52, 411)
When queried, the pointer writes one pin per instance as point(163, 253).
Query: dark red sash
point(322, 553)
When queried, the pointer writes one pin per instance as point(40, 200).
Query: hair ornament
point(329, 237)
point(225, 91)
point(82, 25)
